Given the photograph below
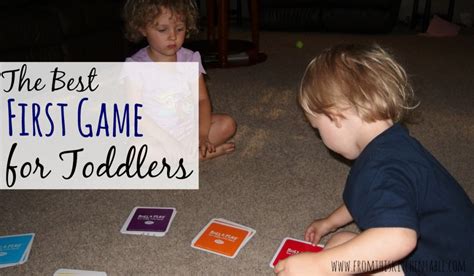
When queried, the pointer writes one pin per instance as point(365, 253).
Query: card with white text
point(152, 221)
point(223, 237)
point(290, 246)
point(77, 272)
point(15, 249)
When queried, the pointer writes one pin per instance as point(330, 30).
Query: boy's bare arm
point(340, 217)
point(322, 227)
point(373, 245)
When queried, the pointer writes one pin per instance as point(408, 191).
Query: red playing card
point(289, 247)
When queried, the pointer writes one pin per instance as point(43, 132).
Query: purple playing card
point(151, 219)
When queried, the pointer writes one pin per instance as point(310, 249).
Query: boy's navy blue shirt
point(396, 182)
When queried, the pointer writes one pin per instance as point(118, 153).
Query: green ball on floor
point(299, 44)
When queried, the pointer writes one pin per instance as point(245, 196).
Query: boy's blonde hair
point(366, 78)
point(139, 13)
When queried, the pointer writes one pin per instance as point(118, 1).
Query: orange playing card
point(222, 238)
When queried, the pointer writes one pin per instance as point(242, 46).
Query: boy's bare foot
point(225, 148)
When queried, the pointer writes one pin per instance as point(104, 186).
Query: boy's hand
point(317, 230)
point(302, 264)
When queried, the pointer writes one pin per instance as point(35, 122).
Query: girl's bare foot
point(220, 150)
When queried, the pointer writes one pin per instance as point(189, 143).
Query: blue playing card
point(15, 249)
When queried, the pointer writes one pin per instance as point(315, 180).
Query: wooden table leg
point(426, 15)
point(210, 19)
point(451, 10)
point(223, 31)
point(414, 14)
point(217, 48)
point(253, 6)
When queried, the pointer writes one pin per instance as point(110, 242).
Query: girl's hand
point(206, 146)
point(318, 229)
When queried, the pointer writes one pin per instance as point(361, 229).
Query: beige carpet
point(280, 178)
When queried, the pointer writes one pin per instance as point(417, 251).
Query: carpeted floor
point(280, 178)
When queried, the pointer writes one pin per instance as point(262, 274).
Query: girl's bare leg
point(223, 127)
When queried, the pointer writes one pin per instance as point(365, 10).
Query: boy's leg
point(343, 237)
point(223, 127)
point(340, 238)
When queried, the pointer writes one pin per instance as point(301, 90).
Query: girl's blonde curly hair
point(139, 13)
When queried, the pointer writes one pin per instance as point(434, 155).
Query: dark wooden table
point(220, 51)
point(427, 14)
